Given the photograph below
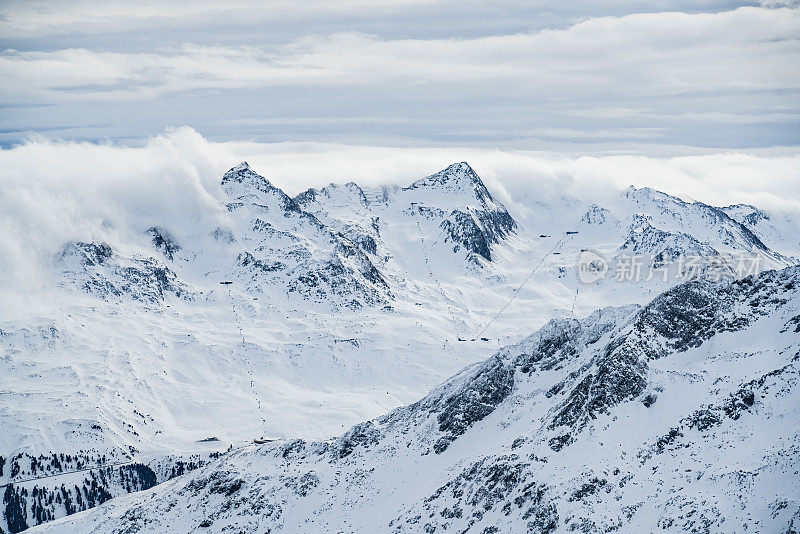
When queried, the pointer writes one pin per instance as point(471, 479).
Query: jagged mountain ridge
point(454, 199)
point(331, 245)
point(503, 445)
point(666, 226)
point(695, 217)
point(778, 234)
point(99, 270)
point(284, 239)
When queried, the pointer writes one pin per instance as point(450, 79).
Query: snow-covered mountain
point(680, 415)
point(299, 317)
point(776, 233)
point(453, 205)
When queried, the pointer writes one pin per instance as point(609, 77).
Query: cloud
point(53, 16)
point(55, 192)
point(27, 18)
point(718, 179)
point(746, 49)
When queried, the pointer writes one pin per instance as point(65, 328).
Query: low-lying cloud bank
point(52, 192)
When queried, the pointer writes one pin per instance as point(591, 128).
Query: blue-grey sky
point(655, 77)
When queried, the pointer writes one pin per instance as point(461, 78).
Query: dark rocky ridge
point(612, 372)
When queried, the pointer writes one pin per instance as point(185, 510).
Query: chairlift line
point(575, 299)
point(248, 366)
point(525, 281)
point(425, 248)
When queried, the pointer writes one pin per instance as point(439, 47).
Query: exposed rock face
point(98, 269)
point(476, 232)
point(596, 215)
point(490, 386)
point(163, 241)
point(689, 314)
point(665, 247)
point(481, 223)
point(553, 434)
point(289, 246)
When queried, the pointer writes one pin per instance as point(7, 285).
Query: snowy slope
point(344, 303)
point(679, 416)
point(775, 232)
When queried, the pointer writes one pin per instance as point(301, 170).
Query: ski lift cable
point(527, 279)
point(426, 252)
point(63, 473)
point(248, 366)
point(575, 299)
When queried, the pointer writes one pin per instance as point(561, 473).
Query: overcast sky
point(587, 77)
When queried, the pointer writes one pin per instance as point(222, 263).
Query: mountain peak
point(642, 193)
point(251, 182)
point(456, 177)
point(456, 173)
point(240, 173)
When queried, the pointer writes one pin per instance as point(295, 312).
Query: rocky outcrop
point(288, 246)
point(480, 222)
point(98, 269)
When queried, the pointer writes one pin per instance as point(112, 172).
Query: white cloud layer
point(96, 15)
point(24, 17)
